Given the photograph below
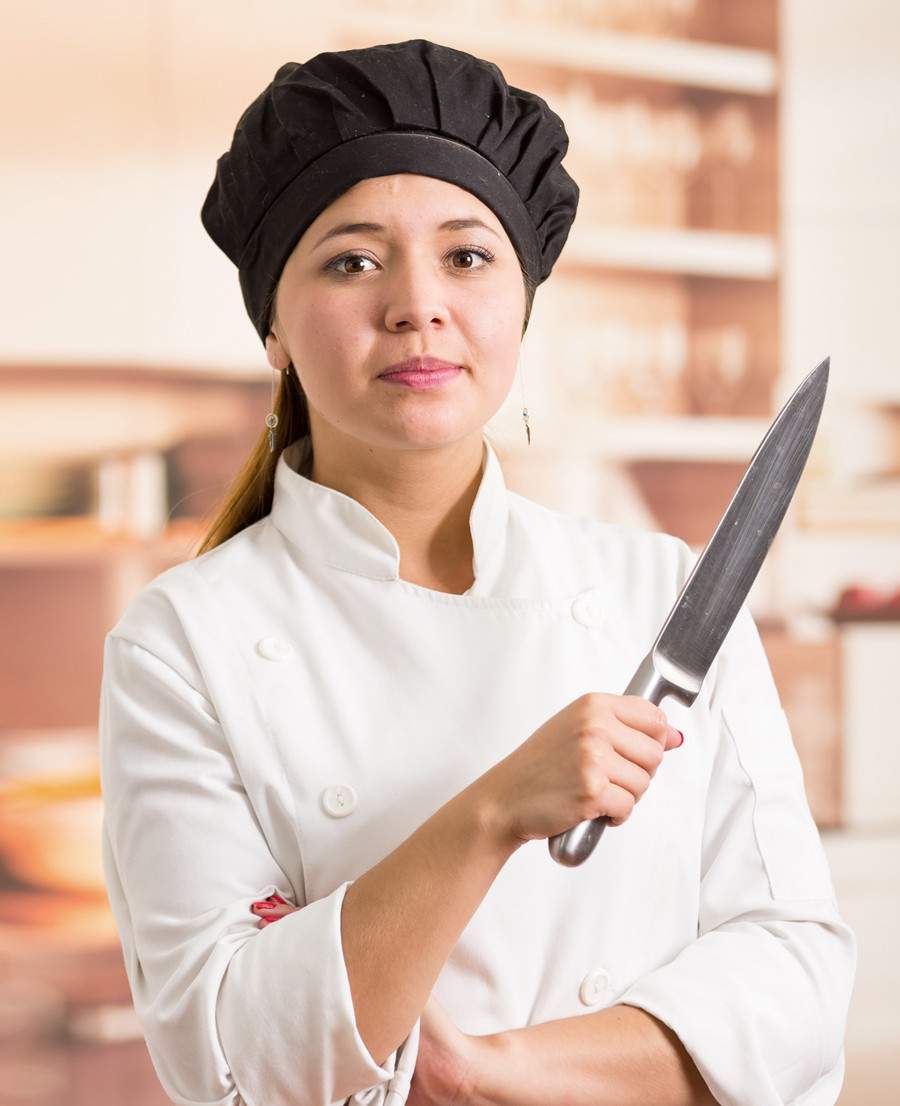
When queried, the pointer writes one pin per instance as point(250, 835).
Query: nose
point(415, 296)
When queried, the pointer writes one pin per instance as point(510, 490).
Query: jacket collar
point(338, 530)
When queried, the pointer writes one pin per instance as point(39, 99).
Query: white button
point(339, 801)
point(587, 608)
point(594, 986)
point(273, 648)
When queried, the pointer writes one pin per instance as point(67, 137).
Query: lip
point(420, 365)
point(421, 373)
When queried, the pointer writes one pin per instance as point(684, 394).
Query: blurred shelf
point(625, 438)
point(687, 251)
point(858, 603)
point(36, 919)
point(19, 375)
point(88, 412)
point(616, 53)
point(887, 615)
point(63, 540)
point(869, 505)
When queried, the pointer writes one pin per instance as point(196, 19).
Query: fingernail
point(680, 743)
point(265, 905)
point(277, 898)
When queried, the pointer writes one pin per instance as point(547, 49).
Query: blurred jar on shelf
point(620, 367)
point(722, 185)
point(717, 369)
point(645, 366)
point(51, 809)
point(633, 158)
point(132, 493)
point(44, 487)
point(656, 188)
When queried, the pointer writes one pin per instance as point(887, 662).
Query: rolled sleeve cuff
point(747, 1056)
point(305, 1044)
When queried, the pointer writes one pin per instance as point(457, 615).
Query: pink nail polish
point(680, 743)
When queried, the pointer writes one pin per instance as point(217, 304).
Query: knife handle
point(575, 845)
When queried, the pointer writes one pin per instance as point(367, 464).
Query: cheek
point(495, 320)
point(321, 324)
point(326, 348)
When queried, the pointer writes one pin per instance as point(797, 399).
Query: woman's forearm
point(619, 1056)
point(402, 918)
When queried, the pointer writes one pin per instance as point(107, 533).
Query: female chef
point(386, 680)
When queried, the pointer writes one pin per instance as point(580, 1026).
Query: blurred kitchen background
point(739, 166)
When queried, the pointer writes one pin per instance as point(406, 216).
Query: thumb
point(674, 739)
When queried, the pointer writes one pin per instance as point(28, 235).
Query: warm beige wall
point(119, 113)
point(840, 226)
point(841, 192)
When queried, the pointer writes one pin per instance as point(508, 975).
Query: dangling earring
point(272, 418)
point(524, 408)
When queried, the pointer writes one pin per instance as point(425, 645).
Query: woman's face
point(358, 302)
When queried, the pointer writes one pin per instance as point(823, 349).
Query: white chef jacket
point(283, 711)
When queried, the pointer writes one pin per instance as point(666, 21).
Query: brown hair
point(250, 496)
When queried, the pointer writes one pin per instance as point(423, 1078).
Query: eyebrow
point(375, 228)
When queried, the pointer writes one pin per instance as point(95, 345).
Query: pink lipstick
point(421, 372)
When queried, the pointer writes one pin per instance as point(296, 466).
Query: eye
point(473, 251)
point(338, 261)
point(461, 251)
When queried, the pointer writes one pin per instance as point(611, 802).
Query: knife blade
point(686, 646)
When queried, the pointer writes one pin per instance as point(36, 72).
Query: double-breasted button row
point(587, 607)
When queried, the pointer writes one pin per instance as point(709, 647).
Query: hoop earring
point(524, 408)
point(272, 418)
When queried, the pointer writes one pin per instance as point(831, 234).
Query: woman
point(386, 680)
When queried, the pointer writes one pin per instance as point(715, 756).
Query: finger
point(637, 747)
point(268, 909)
point(623, 773)
point(618, 805)
point(664, 734)
point(641, 714)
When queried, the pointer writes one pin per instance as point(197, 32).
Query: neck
point(423, 496)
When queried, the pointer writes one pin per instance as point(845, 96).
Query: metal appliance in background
point(704, 611)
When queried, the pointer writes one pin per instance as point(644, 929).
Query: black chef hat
point(413, 107)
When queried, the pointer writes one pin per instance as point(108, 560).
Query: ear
point(276, 354)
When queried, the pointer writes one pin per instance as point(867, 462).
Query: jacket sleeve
point(233, 1015)
point(760, 998)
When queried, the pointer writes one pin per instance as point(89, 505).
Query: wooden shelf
point(624, 438)
point(679, 438)
point(685, 251)
point(617, 53)
point(851, 506)
point(130, 374)
point(74, 538)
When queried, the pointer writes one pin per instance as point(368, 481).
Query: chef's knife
point(704, 611)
